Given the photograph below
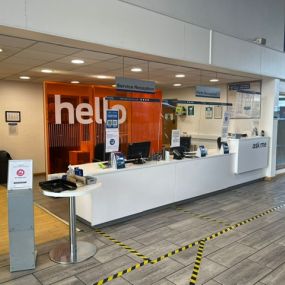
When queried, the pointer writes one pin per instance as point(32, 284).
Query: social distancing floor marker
point(183, 248)
point(197, 264)
point(121, 244)
point(202, 216)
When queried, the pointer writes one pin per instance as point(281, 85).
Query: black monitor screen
point(138, 150)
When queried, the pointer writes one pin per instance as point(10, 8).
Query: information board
point(20, 174)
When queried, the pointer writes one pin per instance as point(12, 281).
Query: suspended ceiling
point(24, 57)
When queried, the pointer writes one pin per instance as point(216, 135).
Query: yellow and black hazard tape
point(198, 261)
point(203, 216)
point(123, 272)
point(173, 252)
point(119, 243)
point(183, 248)
point(234, 226)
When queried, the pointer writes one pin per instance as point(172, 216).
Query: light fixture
point(103, 77)
point(1, 49)
point(46, 71)
point(214, 80)
point(78, 61)
point(177, 84)
point(136, 69)
point(74, 82)
point(114, 85)
point(180, 75)
point(23, 77)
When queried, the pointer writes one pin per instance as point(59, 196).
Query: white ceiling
point(28, 57)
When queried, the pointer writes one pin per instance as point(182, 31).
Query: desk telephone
point(177, 154)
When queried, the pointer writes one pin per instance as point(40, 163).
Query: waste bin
point(4, 158)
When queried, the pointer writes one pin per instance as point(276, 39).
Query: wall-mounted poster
point(218, 112)
point(191, 110)
point(208, 112)
point(246, 99)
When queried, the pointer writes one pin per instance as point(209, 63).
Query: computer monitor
point(138, 150)
point(185, 142)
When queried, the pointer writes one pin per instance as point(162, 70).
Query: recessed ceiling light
point(25, 77)
point(77, 61)
point(214, 80)
point(177, 84)
point(180, 75)
point(46, 71)
point(74, 82)
point(103, 77)
point(136, 69)
point(1, 49)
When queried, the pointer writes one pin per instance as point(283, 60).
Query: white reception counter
point(138, 188)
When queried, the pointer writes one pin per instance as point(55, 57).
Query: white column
point(269, 100)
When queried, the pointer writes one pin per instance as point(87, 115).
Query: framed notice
point(209, 112)
point(191, 111)
point(12, 116)
point(218, 112)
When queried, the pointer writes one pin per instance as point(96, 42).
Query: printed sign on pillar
point(112, 130)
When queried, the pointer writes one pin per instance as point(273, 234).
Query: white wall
point(118, 27)
point(242, 19)
point(198, 126)
point(26, 140)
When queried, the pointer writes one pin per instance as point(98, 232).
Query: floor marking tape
point(173, 252)
point(197, 264)
point(203, 216)
point(183, 248)
point(121, 273)
point(128, 248)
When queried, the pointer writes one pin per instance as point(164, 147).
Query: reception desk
point(139, 188)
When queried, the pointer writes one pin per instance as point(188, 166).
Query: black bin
point(4, 158)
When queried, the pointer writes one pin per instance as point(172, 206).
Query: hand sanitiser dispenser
point(202, 151)
point(224, 148)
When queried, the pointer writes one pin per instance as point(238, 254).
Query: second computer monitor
point(138, 150)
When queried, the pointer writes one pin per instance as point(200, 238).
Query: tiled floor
point(253, 253)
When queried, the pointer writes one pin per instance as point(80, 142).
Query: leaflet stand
point(21, 215)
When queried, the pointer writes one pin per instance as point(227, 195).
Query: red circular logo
point(20, 172)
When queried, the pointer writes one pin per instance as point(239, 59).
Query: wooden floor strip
point(48, 227)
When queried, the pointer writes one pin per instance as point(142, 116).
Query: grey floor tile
point(276, 277)
point(113, 251)
point(231, 254)
point(59, 272)
point(156, 250)
point(150, 274)
point(92, 237)
point(92, 275)
point(260, 239)
point(188, 256)
point(228, 238)
point(163, 282)
point(69, 281)
point(155, 236)
point(212, 282)
point(246, 272)
point(124, 232)
point(26, 280)
point(270, 256)
point(42, 262)
point(187, 223)
point(208, 270)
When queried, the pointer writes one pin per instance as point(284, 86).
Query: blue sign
point(112, 119)
point(135, 85)
point(239, 86)
point(175, 101)
point(208, 91)
point(130, 99)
